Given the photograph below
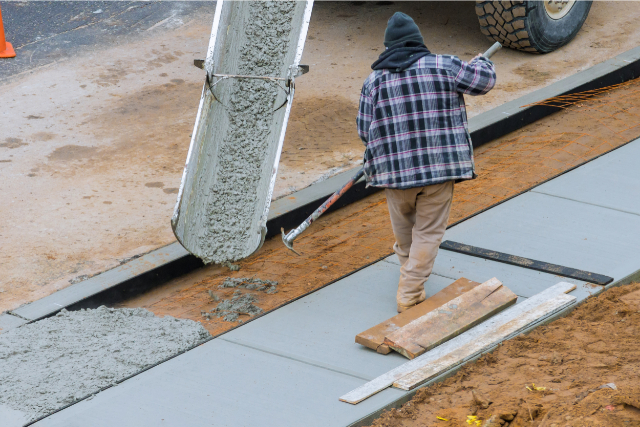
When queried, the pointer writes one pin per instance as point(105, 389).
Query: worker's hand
point(477, 56)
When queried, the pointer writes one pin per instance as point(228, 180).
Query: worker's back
point(414, 122)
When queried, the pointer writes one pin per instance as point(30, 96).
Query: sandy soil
point(567, 360)
point(92, 148)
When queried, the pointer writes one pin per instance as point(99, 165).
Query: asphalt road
point(43, 32)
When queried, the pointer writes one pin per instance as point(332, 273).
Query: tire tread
point(504, 21)
point(524, 25)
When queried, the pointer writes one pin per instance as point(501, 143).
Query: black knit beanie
point(401, 28)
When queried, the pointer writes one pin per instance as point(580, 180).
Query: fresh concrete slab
point(9, 321)
point(302, 354)
point(293, 363)
point(612, 182)
point(11, 417)
point(559, 231)
point(225, 384)
point(327, 322)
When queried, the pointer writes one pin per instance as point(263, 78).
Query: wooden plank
point(532, 264)
point(374, 337)
point(432, 370)
point(451, 319)
point(388, 378)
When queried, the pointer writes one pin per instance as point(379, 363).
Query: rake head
point(288, 241)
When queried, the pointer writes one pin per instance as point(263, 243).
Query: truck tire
point(532, 26)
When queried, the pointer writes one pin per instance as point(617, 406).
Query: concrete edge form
point(125, 280)
point(152, 269)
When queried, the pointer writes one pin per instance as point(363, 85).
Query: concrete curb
point(123, 281)
point(171, 261)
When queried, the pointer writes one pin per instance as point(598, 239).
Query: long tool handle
point(291, 236)
point(493, 49)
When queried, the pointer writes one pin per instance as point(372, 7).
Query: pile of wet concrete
point(240, 304)
point(56, 361)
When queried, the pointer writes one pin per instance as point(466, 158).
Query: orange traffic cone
point(6, 50)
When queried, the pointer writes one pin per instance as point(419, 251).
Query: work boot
point(410, 291)
point(404, 307)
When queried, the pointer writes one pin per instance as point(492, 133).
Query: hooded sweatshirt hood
point(404, 44)
point(401, 28)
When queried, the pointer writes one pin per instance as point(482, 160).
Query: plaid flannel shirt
point(414, 123)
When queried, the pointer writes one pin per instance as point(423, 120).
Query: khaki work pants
point(419, 218)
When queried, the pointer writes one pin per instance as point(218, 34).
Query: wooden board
point(387, 379)
point(451, 319)
point(494, 336)
point(374, 337)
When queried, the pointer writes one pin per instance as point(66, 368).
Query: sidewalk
point(290, 366)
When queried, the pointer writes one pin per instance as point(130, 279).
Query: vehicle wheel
point(532, 26)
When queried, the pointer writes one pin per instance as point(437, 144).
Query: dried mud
point(549, 378)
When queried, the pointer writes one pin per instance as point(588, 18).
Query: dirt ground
point(359, 234)
point(548, 378)
point(92, 147)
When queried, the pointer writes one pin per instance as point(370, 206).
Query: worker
point(413, 122)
